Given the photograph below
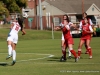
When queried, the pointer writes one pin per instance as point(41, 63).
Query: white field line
point(67, 63)
point(46, 56)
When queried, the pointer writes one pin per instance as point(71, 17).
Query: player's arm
point(22, 29)
point(80, 26)
point(23, 32)
point(91, 23)
point(91, 30)
point(74, 26)
point(57, 28)
point(12, 24)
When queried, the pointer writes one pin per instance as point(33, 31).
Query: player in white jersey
point(12, 38)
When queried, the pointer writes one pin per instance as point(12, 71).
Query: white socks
point(14, 55)
point(9, 49)
point(69, 52)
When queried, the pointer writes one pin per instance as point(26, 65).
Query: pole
point(82, 6)
point(40, 16)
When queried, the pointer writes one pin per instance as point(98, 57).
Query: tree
point(3, 11)
point(14, 5)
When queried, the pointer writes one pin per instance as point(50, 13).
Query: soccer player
point(81, 23)
point(12, 38)
point(86, 37)
point(65, 16)
point(68, 39)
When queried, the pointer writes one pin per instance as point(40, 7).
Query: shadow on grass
point(54, 59)
point(57, 59)
point(3, 64)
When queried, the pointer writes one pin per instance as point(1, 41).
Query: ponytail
point(20, 21)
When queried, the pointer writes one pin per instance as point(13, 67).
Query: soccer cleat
point(86, 52)
point(13, 63)
point(9, 56)
point(62, 59)
point(69, 57)
point(90, 57)
point(76, 59)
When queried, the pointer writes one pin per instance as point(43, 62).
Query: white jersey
point(13, 35)
point(15, 28)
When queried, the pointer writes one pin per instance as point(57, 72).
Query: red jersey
point(67, 36)
point(66, 33)
point(85, 35)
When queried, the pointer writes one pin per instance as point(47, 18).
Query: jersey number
point(17, 28)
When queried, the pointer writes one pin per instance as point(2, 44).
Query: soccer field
point(41, 57)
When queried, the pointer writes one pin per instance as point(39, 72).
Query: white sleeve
point(80, 25)
point(90, 22)
point(70, 23)
point(62, 25)
point(67, 26)
point(62, 38)
point(90, 27)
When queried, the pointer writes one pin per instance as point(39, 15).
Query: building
point(52, 11)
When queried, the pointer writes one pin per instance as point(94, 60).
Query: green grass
point(33, 50)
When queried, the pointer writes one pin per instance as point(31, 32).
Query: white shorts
point(13, 38)
point(62, 38)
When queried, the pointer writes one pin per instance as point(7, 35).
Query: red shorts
point(85, 38)
point(69, 41)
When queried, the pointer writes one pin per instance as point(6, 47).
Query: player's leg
point(63, 48)
point(86, 47)
point(13, 48)
point(80, 47)
point(63, 58)
point(89, 48)
point(14, 53)
point(70, 46)
point(9, 43)
point(69, 54)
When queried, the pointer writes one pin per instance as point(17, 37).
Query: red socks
point(79, 53)
point(74, 53)
point(90, 51)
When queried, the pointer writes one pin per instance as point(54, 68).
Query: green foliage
point(14, 5)
point(21, 3)
point(3, 11)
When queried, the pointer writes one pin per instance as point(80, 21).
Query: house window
point(57, 21)
point(92, 9)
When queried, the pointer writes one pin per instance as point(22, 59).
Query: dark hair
point(85, 13)
point(67, 18)
point(20, 21)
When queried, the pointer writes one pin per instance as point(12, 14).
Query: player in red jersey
point(65, 16)
point(81, 23)
point(68, 39)
point(86, 36)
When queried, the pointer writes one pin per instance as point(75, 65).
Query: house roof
point(73, 6)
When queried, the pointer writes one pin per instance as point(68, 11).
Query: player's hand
point(23, 34)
